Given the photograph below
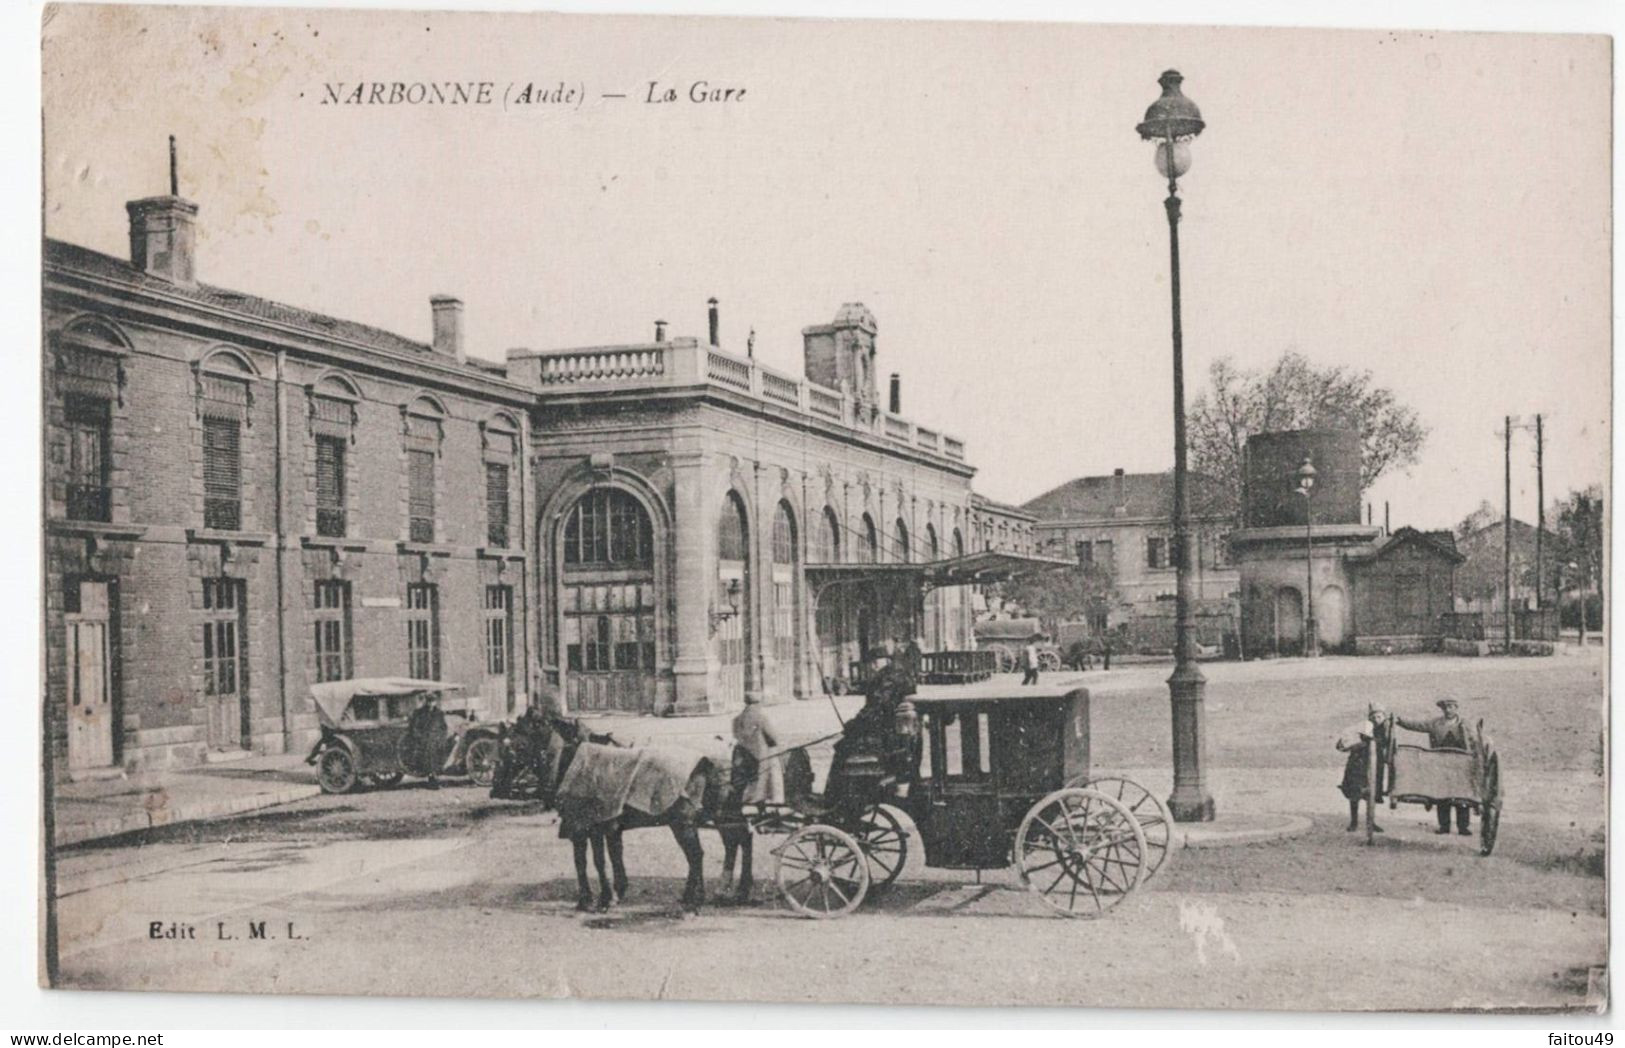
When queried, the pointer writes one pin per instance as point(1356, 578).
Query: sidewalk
point(91, 810)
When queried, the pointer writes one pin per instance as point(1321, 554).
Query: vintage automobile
point(364, 726)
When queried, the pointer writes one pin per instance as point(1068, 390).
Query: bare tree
point(1294, 394)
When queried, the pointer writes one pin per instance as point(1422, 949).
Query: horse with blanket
point(600, 790)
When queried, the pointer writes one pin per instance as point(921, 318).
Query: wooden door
point(90, 707)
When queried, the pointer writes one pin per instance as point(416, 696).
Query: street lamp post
point(1306, 488)
point(1171, 122)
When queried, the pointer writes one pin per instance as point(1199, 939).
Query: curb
point(1282, 827)
point(97, 829)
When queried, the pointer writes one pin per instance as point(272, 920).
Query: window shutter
point(496, 503)
point(420, 479)
point(222, 473)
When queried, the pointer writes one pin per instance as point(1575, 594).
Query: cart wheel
point(1490, 811)
point(1006, 659)
point(481, 761)
point(885, 845)
point(1049, 661)
point(1081, 852)
point(822, 872)
point(390, 779)
point(1153, 815)
point(336, 772)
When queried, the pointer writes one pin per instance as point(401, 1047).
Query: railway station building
point(243, 498)
point(709, 528)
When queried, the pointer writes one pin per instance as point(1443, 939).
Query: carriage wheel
point(1049, 661)
point(1080, 851)
point(481, 761)
point(1490, 809)
point(336, 772)
point(1006, 659)
point(1153, 815)
point(822, 872)
point(885, 845)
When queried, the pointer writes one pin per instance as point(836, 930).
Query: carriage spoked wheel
point(1489, 824)
point(822, 872)
point(1005, 659)
point(481, 761)
point(1081, 851)
point(336, 773)
point(884, 843)
point(1148, 809)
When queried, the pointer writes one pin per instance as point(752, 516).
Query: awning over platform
point(971, 569)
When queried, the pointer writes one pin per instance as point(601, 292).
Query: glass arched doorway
point(607, 604)
point(786, 630)
point(731, 638)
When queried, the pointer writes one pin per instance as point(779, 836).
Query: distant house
point(1481, 580)
point(1124, 522)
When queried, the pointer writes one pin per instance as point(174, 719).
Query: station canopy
point(984, 566)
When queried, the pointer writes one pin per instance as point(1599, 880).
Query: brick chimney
point(716, 322)
point(1119, 491)
point(162, 236)
point(660, 331)
point(448, 326)
point(896, 394)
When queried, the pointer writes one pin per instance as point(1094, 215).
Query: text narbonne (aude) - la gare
point(484, 93)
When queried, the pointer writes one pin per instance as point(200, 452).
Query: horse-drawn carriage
point(990, 778)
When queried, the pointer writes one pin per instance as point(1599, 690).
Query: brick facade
point(164, 355)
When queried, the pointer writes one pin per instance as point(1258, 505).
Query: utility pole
point(1506, 549)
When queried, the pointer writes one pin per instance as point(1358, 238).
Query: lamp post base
point(1190, 801)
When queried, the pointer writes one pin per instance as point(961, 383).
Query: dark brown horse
point(545, 747)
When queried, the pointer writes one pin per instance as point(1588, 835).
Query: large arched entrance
point(607, 604)
point(830, 616)
point(731, 641)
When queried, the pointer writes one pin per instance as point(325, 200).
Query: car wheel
point(336, 773)
point(481, 761)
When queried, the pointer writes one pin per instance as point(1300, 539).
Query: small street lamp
point(1306, 488)
point(1171, 122)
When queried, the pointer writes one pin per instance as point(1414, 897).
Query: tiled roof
point(96, 264)
point(1141, 495)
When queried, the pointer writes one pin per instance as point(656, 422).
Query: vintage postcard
point(796, 510)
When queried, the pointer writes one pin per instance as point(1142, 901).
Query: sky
point(1431, 207)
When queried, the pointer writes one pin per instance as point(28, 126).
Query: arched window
point(868, 541)
point(829, 541)
point(732, 639)
point(784, 535)
point(607, 528)
point(932, 552)
point(959, 543)
point(786, 638)
point(902, 542)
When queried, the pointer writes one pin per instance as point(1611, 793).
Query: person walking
point(1029, 662)
point(1446, 731)
point(754, 732)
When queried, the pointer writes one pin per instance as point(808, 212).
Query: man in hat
point(1446, 731)
point(869, 738)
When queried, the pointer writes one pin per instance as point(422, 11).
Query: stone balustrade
point(685, 361)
